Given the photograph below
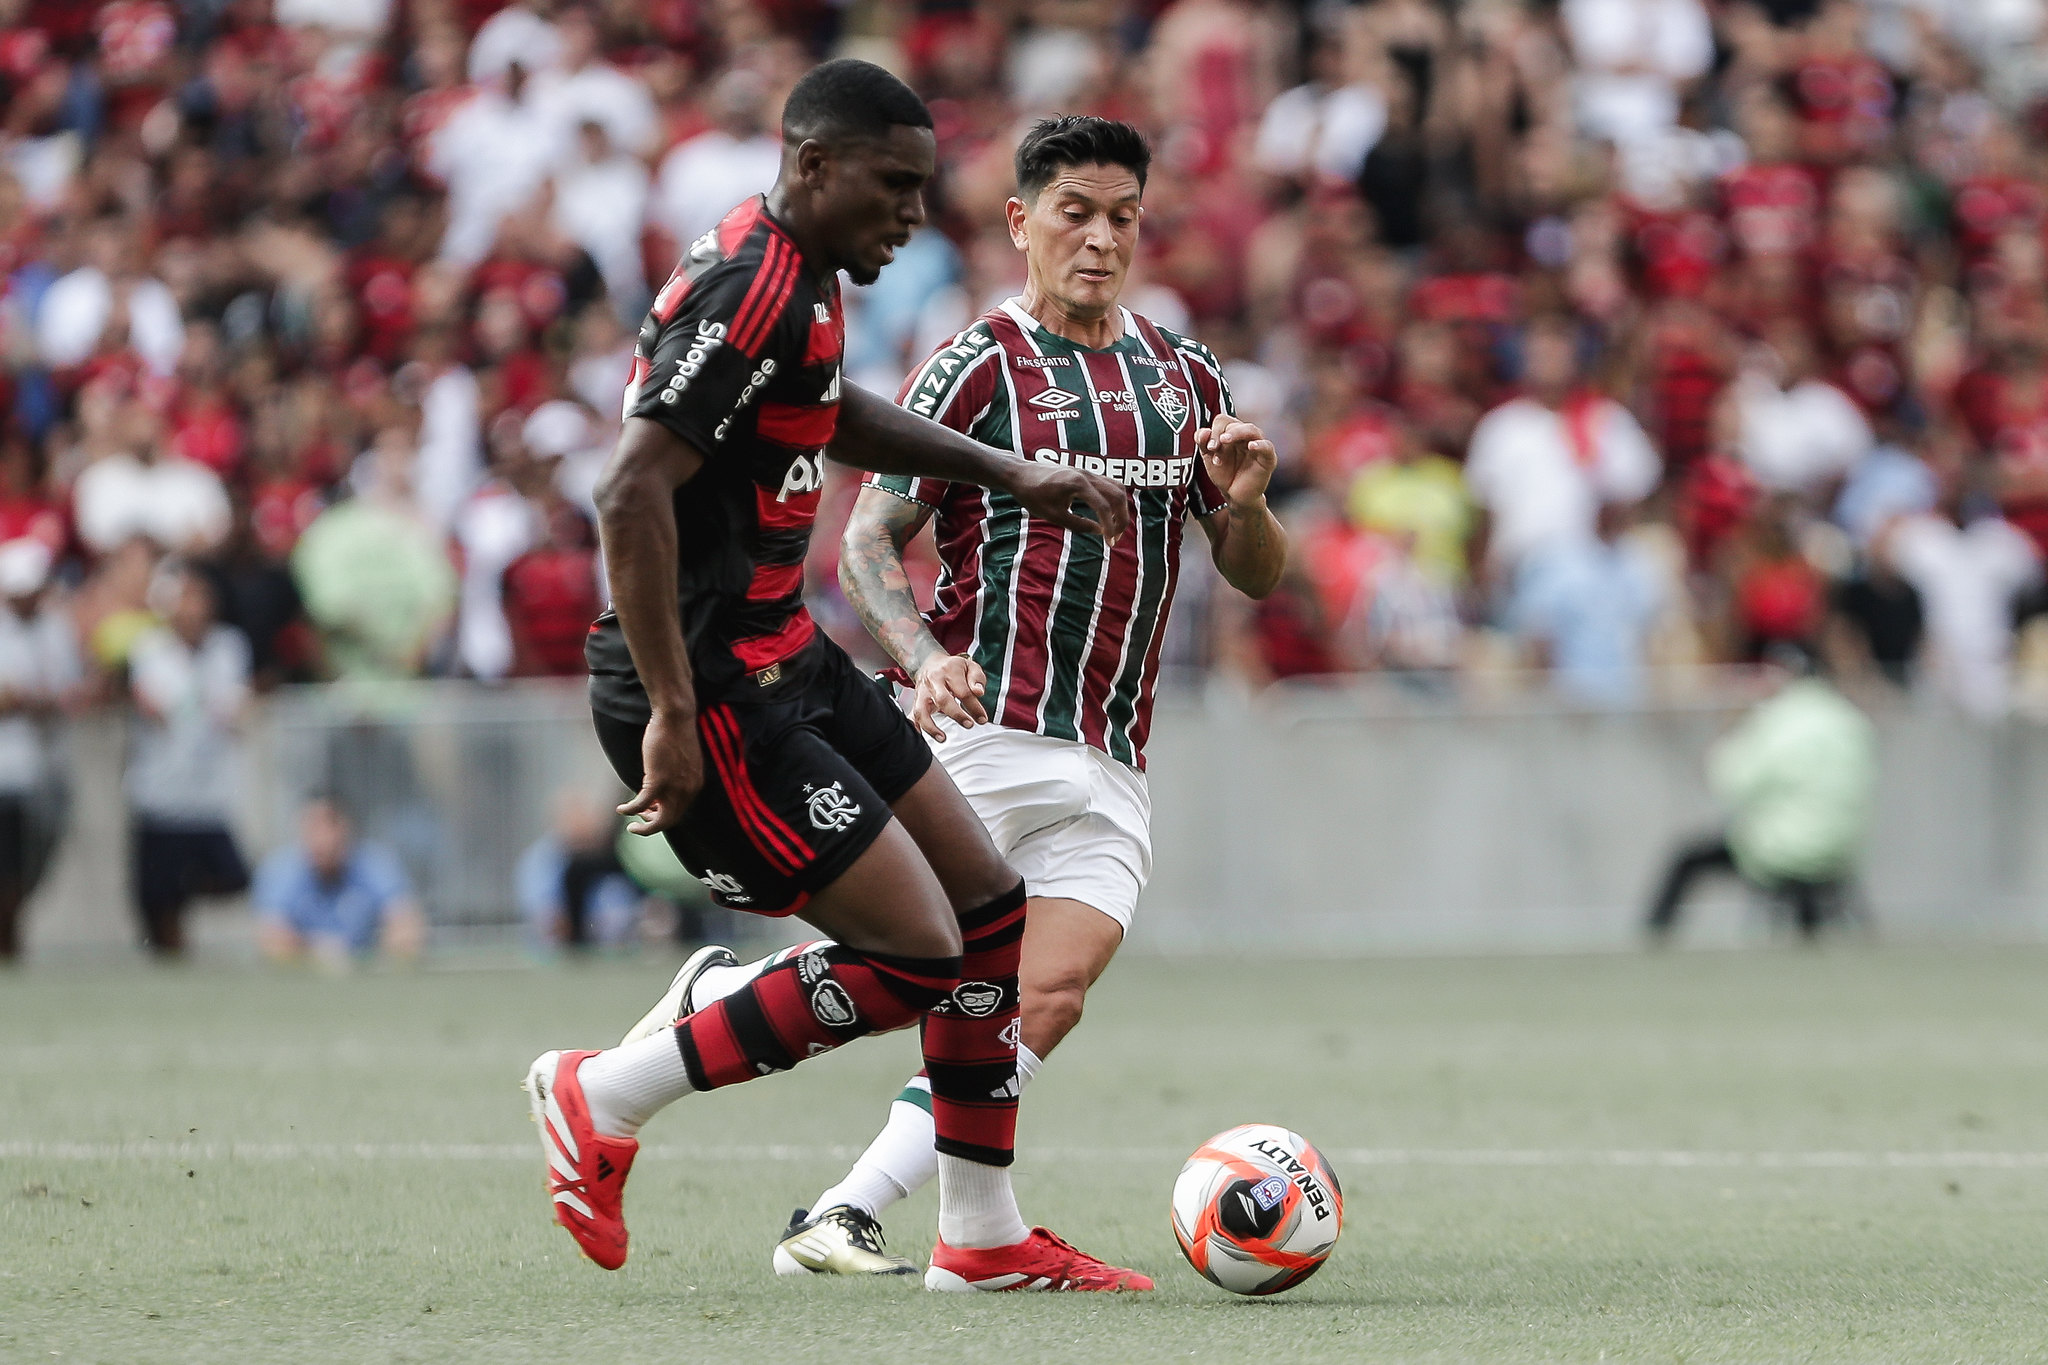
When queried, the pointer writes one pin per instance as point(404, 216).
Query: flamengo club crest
point(831, 810)
point(1169, 402)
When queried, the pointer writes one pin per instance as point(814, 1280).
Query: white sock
point(900, 1161)
point(716, 983)
point(977, 1207)
point(626, 1086)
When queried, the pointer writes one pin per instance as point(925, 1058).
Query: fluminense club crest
point(1169, 402)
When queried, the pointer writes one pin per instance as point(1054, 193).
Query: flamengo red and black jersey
point(740, 357)
point(1068, 630)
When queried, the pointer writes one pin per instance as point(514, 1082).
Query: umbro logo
point(1054, 398)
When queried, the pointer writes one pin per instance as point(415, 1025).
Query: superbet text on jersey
point(1068, 630)
point(740, 357)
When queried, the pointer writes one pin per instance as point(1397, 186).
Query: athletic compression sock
point(805, 1005)
point(901, 1160)
point(970, 1055)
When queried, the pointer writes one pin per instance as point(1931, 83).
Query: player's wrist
point(1254, 506)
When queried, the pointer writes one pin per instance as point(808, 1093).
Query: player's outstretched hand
point(1049, 491)
point(1239, 458)
point(949, 685)
point(672, 764)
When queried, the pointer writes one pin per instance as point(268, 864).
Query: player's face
point(1080, 235)
point(871, 197)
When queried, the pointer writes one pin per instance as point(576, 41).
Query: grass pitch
point(1787, 1155)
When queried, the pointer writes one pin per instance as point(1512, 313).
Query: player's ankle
point(977, 1208)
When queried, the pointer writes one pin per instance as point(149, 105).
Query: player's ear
point(813, 159)
point(1015, 211)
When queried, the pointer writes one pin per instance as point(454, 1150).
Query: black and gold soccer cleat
point(839, 1241)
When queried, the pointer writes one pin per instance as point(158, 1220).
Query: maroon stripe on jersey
point(1035, 568)
point(773, 581)
point(777, 842)
point(956, 603)
point(1119, 591)
point(774, 512)
point(798, 424)
point(762, 650)
point(1148, 678)
point(734, 227)
point(773, 285)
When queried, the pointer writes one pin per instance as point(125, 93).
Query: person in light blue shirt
point(333, 898)
point(1588, 607)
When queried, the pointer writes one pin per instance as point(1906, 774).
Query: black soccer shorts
point(799, 775)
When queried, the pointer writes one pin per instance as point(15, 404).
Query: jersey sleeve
point(954, 387)
point(706, 351)
point(1212, 396)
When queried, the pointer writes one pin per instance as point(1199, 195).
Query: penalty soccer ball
point(1256, 1209)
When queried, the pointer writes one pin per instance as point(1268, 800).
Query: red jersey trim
point(762, 650)
point(766, 298)
point(772, 514)
point(773, 581)
point(796, 424)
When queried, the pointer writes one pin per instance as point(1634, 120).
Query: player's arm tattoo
point(872, 575)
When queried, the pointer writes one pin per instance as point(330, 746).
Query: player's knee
point(1051, 1009)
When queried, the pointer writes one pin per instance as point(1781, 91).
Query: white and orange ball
point(1257, 1209)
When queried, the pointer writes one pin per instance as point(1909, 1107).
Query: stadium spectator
point(735, 157)
point(1586, 609)
point(241, 241)
point(1541, 466)
point(573, 892)
point(332, 898)
point(189, 679)
point(40, 675)
point(375, 578)
point(1970, 567)
point(1796, 777)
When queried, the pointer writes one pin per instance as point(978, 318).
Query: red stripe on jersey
point(772, 512)
point(671, 296)
point(734, 227)
point(759, 651)
point(772, 581)
point(828, 340)
point(641, 369)
point(798, 424)
point(772, 289)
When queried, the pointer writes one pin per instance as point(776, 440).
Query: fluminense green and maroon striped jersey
point(1068, 630)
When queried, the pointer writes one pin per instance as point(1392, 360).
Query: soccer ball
point(1256, 1209)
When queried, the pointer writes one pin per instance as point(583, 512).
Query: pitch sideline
point(1620, 1159)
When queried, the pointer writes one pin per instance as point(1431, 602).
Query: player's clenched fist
point(1239, 458)
point(949, 685)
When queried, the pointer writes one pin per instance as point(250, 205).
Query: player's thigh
point(954, 841)
point(889, 901)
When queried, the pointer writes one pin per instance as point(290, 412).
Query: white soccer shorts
point(1074, 822)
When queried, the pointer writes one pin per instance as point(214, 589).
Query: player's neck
point(809, 239)
point(1092, 332)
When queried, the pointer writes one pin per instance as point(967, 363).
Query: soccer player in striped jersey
point(1034, 671)
point(818, 797)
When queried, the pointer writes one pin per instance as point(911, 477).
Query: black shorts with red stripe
point(802, 762)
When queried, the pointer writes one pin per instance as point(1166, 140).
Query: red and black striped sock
point(970, 1038)
point(807, 1005)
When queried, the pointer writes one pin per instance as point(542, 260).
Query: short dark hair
point(1078, 140)
point(848, 98)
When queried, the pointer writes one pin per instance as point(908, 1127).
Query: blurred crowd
point(1596, 335)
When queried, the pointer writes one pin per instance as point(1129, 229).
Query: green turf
point(170, 1252)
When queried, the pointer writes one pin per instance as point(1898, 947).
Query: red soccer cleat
point(1039, 1262)
point(586, 1170)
